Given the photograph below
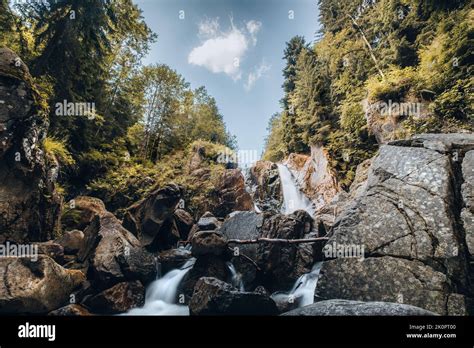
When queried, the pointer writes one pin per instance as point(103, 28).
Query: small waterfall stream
point(161, 295)
point(293, 198)
point(302, 292)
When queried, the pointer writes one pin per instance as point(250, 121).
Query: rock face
point(151, 218)
point(173, 259)
point(245, 226)
point(184, 222)
point(467, 213)
point(114, 254)
point(232, 194)
point(214, 297)
point(357, 308)
point(208, 243)
point(72, 241)
point(72, 310)
point(265, 184)
point(118, 299)
point(35, 287)
point(29, 206)
point(80, 211)
point(408, 221)
point(281, 264)
point(313, 176)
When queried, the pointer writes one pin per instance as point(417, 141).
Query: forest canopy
point(91, 51)
point(371, 53)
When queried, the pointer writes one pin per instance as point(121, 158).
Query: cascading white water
point(236, 279)
point(162, 293)
point(293, 198)
point(302, 292)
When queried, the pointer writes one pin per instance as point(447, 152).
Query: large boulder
point(468, 198)
point(29, 204)
point(214, 297)
point(358, 308)
point(72, 310)
point(283, 264)
point(173, 259)
point(232, 194)
point(79, 212)
point(205, 266)
point(71, 241)
point(264, 181)
point(208, 243)
point(118, 299)
point(184, 223)
point(244, 225)
point(407, 221)
point(114, 254)
point(151, 219)
point(39, 286)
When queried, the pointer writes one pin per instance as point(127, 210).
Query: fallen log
point(276, 241)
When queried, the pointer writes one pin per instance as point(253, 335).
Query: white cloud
point(254, 76)
point(253, 27)
point(223, 52)
point(209, 28)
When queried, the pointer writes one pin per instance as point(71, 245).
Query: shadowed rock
point(357, 308)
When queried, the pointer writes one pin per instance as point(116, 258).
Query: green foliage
point(131, 181)
point(376, 51)
point(275, 149)
point(57, 149)
point(396, 85)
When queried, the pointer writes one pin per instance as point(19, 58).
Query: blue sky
point(234, 48)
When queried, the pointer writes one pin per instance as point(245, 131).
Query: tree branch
point(371, 51)
point(276, 241)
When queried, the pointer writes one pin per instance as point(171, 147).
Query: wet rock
point(358, 308)
point(205, 266)
point(214, 297)
point(407, 220)
point(118, 299)
point(35, 287)
point(79, 212)
point(173, 259)
point(53, 250)
point(264, 181)
point(151, 218)
point(72, 241)
point(184, 222)
point(244, 226)
point(208, 243)
point(29, 204)
point(72, 310)
point(232, 194)
point(284, 264)
point(114, 254)
point(208, 222)
point(327, 214)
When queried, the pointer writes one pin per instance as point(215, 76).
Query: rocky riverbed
point(408, 216)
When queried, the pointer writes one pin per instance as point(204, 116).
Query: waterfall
point(293, 198)
point(161, 295)
point(302, 292)
point(236, 278)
